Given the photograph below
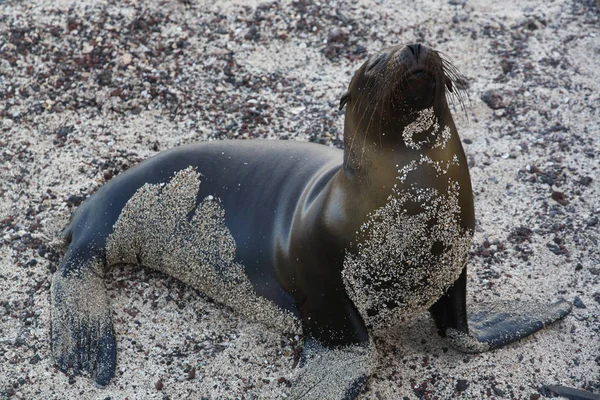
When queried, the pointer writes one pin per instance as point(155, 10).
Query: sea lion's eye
point(376, 61)
point(449, 84)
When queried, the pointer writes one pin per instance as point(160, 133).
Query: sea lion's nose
point(415, 49)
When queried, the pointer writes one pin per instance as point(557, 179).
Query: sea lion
point(338, 245)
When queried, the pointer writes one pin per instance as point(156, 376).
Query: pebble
point(7, 123)
point(126, 59)
point(578, 303)
point(462, 385)
point(560, 198)
point(592, 221)
point(493, 98)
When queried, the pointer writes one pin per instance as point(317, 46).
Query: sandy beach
point(90, 88)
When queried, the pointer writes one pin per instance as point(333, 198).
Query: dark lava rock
point(560, 198)
point(191, 374)
point(337, 35)
point(462, 385)
point(507, 66)
point(555, 248)
point(578, 303)
point(592, 221)
point(73, 200)
point(493, 99)
point(520, 234)
point(64, 131)
point(252, 34)
point(585, 180)
point(35, 359)
point(105, 78)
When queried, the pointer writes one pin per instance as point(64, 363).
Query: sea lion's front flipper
point(82, 330)
point(496, 325)
point(570, 393)
point(332, 373)
point(491, 325)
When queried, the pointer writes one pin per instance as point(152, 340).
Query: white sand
point(66, 125)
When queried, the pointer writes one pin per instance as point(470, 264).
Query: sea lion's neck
point(374, 155)
point(372, 169)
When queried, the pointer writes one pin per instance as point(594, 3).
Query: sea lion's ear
point(345, 98)
point(449, 84)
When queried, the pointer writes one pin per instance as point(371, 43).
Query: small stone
point(159, 385)
point(592, 221)
point(578, 303)
point(126, 59)
point(585, 180)
point(507, 66)
point(462, 385)
point(191, 374)
point(560, 198)
point(73, 200)
point(252, 34)
point(7, 123)
point(35, 359)
point(336, 35)
point(553, 247)
point(499, 392)
point(493, 99)
point(105, 78)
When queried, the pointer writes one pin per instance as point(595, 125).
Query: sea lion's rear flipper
point(570, 393)
point(496, 325)
point(332, 373)
point(82, 331)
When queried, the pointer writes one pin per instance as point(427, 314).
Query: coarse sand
point(90, 88)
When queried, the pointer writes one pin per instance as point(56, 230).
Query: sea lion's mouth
point(418, 73)
point(417, 87)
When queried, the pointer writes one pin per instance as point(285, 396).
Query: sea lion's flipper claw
point(500, 324)
point(106, 357)
point(332, 373)
point(82, 333)
point(571, 393)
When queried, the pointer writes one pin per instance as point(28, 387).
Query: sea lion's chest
point(413, 247)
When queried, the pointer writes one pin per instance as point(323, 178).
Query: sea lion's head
point(393, 87)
